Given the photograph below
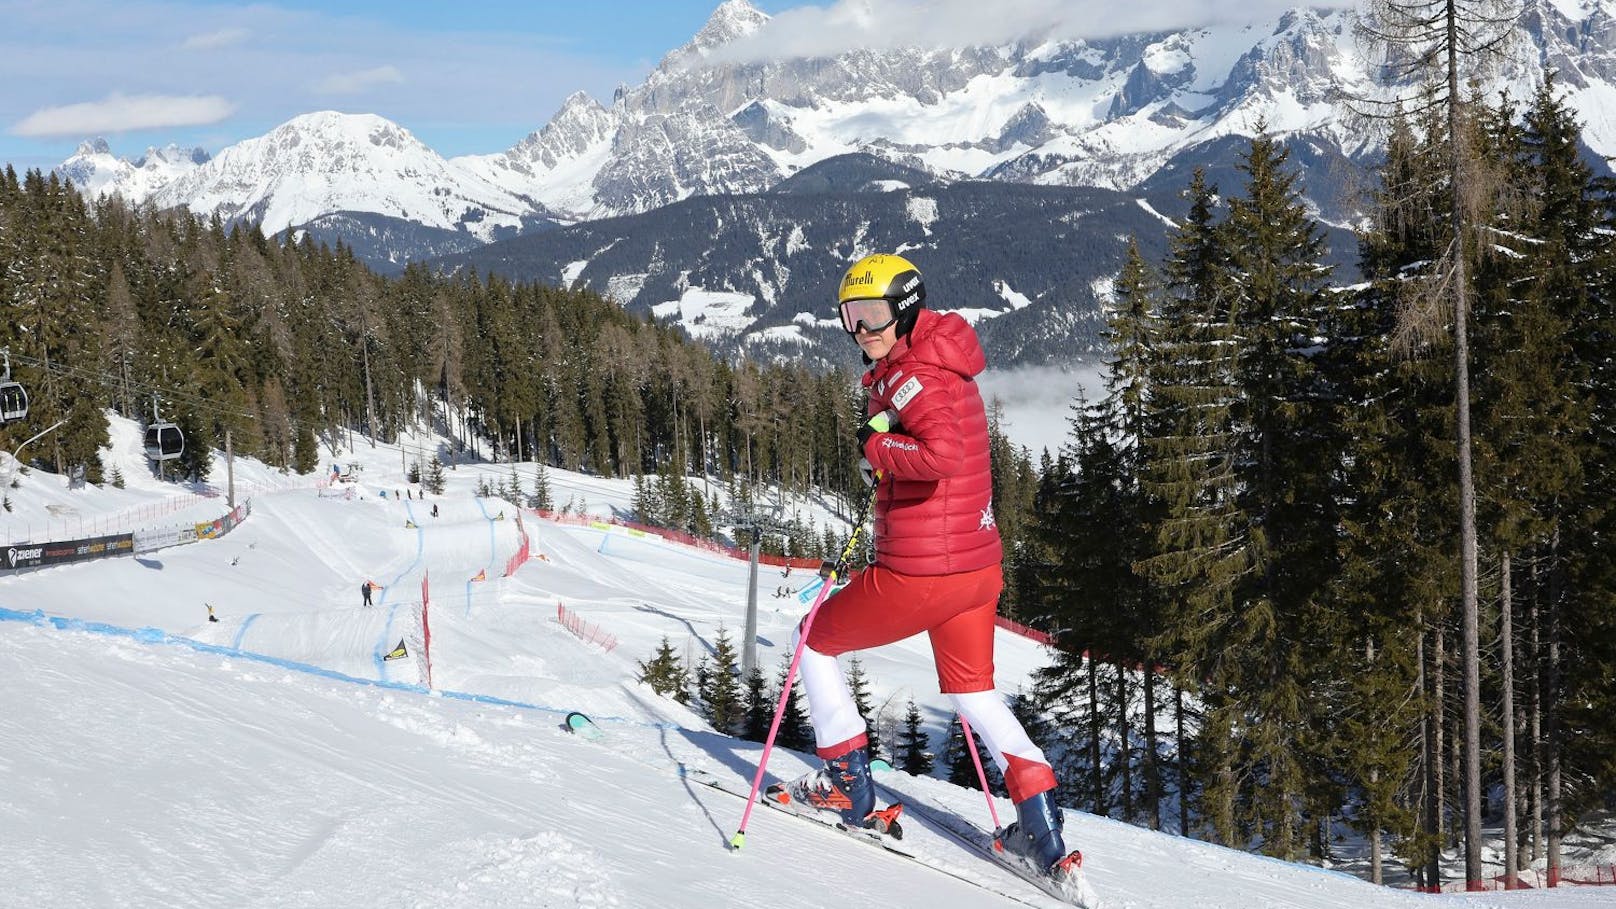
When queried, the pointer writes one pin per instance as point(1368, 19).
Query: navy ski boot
point(844, 786)
point(1035, 837)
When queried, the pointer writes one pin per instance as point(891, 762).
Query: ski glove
point(885, 421)
point(868, 472)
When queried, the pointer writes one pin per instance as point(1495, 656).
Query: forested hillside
point(1265, 506)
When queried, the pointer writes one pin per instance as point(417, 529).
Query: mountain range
point(733, 183)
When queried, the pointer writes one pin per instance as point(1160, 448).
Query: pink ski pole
point(970, 745)
point(739, 839)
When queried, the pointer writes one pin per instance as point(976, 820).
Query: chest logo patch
point(906, 392)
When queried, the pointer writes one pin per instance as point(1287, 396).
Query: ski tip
point(737, 841)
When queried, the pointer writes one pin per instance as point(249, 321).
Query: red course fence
point(678, 536)
point(584, 630)
point(523, 552)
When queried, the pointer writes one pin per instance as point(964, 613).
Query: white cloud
point(124, 113)
point(224, 37)
point(359, 81)
point(814, 31)
point(1035, 402)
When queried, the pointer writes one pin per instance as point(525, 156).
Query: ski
point(823, 819)
point(583, 727)
point(869, 837)
point(1074, 890)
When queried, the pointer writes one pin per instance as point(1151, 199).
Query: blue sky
point(467, 77)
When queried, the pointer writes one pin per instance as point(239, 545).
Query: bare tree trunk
point(370, 395)
point(1470, 646)
point(1183, 767)
point(1430, 744)
point(1535, 736)
point(1506, 652)
point(1439, 712)
point(1124, 747)
point(1153, 781)
point(1376, 872)
point(1551, 710)
point(1096, 768)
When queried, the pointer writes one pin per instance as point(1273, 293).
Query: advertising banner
point(23, 556)
point(162, 537)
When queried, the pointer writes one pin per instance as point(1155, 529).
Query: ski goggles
point(869, 313)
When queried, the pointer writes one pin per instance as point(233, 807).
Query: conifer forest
point(1249, 550)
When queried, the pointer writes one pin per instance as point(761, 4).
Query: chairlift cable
point(193, 402)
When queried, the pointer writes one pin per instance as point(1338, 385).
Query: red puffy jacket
point(934, 510)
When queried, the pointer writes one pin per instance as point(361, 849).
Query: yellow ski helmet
point(885, 276)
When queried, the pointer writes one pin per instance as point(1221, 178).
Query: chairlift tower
point(756, 521)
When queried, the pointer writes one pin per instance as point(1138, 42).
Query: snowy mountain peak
point(325, 162)
point(96, 171)
point(171, 154)
point(732, 19)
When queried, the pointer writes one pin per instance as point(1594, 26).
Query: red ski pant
point(880, 606)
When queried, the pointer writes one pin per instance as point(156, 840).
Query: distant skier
point(211, 616)
point(434, 509)
point(364, 591)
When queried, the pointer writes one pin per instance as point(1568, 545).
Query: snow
point(1015, 298)
point(1573, 10)
point(708, 313)
point(327, 161)
point(1152, 211)
point(153, 759)
point(922, 211)
point(1595, 105)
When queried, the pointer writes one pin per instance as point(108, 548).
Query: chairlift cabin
point(13, 402)
point(164, 442)
point(13, 397)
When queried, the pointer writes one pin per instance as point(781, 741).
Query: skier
point(364, 591)
point(937, 556)
point(434, 509)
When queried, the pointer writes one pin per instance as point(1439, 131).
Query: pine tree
point(542, 499)
point(1438, 46)
point(759, 708)
point(914, 746)
point(435, 482)
point(858, 684)
point(722, 697)
point(1397, 550)
point(962, 769)
point(796, 732)
point(665, 673)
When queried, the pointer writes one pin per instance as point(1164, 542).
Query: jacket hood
point(947, 341)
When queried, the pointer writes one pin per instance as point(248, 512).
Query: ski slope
point(151, 758)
